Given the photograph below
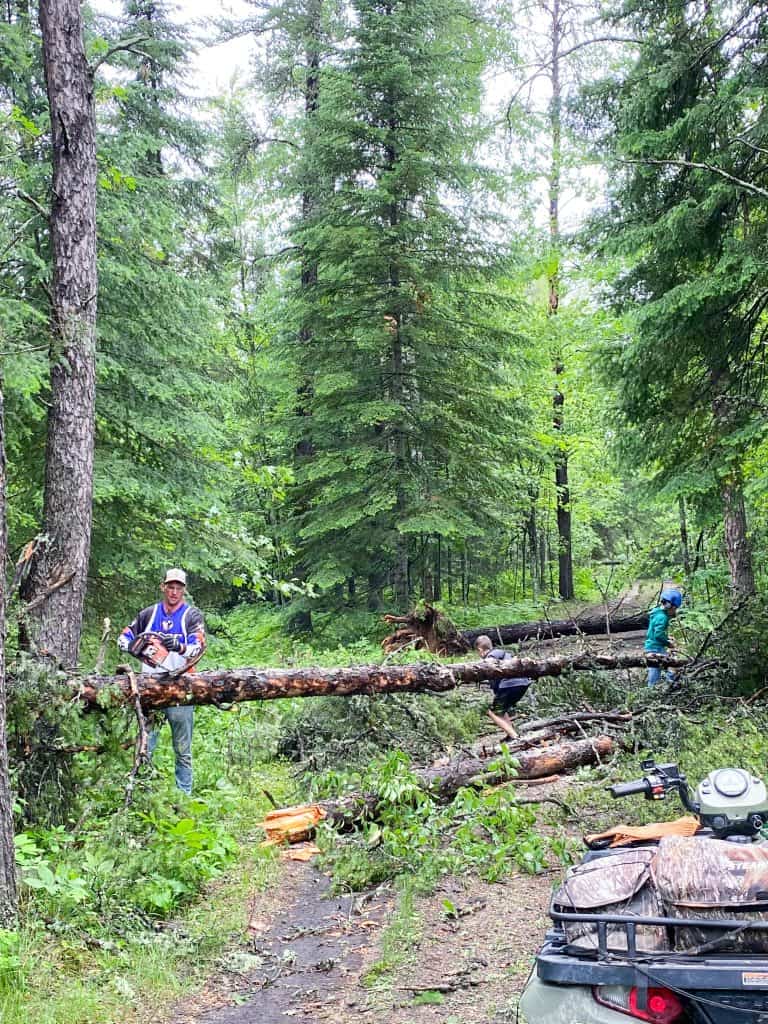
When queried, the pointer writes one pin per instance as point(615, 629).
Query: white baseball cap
point(176, 576)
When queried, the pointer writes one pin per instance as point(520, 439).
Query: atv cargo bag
point(712, 878)
point(616, 883)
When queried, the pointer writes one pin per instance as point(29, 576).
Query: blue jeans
point(180, 720)
point(654, 675)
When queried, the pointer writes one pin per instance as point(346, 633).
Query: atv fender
point(542, 1003)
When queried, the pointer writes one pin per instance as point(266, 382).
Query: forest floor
point(458, 956)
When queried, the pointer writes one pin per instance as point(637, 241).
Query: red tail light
point(662, 1005)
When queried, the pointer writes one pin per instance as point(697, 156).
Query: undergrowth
point(484, 832)
point(111, 912)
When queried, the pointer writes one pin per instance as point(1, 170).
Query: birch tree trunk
point(8, 901)
point(55, 590)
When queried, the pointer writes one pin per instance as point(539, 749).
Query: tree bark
point(64, 545)
point(430, 629)
point(233, 686)
point(737, 544)
point(592, 625)
point(684, 542)
point(444, 781)
point(304, 450)
point(8, 896)
point(562, 486)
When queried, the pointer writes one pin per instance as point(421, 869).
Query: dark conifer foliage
point(688, 209)
point(400, 329)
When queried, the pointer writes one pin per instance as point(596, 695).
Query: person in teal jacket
point(657, 638)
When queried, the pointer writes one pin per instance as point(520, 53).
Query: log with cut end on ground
point(223, 687)
point(445, 778)
point(431, 630)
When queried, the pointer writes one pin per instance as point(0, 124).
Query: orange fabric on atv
point(623, 835)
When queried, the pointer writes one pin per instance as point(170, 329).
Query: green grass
point(74, 971)
point(399, 941)
point(64, 981)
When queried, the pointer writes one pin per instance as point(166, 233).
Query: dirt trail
point(308, 953)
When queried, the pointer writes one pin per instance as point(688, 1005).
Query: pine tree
point(55, 588)
point(688, 210)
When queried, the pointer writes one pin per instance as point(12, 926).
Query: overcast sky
point(214, 68)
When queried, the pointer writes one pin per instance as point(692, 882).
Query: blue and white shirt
point(185, 623)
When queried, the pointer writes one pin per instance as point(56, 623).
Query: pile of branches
point(546, 750)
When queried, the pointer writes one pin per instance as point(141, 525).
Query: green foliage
point(483, 832)
point(11, 963)
point(682, 131)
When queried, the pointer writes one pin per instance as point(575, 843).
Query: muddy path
point(310, 956)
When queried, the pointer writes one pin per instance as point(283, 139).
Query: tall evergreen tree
point(55, 588)
point(688, 210)
point(404, 333)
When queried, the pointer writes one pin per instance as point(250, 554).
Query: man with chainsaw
point(167, 638)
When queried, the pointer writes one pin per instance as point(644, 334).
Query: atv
point(671, 930)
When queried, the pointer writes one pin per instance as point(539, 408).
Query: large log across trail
point(233, 686)
point(592, 625)
point(429, 629)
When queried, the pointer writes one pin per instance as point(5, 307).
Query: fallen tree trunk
point(444, 780)
point(426, 628)
point(591, 625)
point(544, 730)
point(233, 686)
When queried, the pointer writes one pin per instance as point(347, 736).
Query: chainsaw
point(149, 648)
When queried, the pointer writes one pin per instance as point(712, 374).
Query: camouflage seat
point(716, 879)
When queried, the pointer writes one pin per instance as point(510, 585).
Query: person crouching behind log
point(506, 692)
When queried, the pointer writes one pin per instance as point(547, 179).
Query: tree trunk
point(8, 900)
point(64, 546)
point(300, 622)
point(684, 543)
point(444, 781)
point(233, 686)
point(562, 487)
point(737, 544)
point(592, 625)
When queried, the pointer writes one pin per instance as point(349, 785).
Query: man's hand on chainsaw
point(123, 642)
point(172, 643)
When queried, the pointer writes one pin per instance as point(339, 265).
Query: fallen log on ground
point(426, 628)
point(592, 625)
point(223, 687)
point(544, 730)
point(443, 781)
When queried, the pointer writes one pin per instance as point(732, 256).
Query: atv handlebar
point(659, 779)
point(630, 788)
